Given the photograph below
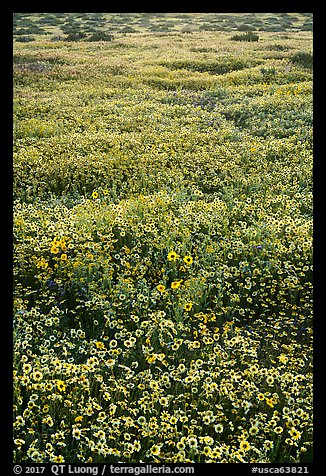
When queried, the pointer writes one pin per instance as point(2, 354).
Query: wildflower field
point(162, 238)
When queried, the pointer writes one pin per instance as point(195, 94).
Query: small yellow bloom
point(188, 260)
point(282, 358)
point(27, 368)
point(100, 345)
point(63, 245)
point(61, 386)
point(188, 306)
point(37, 375)
point(295, 434)
point(155, 450)
point(160, 287)
point(63, 257)
point(76, 433)
point(245, 445)
point(95, 194)
point(176, 284)
point(269, 402)
point(173, 256)
point(42, 263)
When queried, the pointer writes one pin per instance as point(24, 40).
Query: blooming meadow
point(163, 244)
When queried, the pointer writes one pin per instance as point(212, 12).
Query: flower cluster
point(163, 253)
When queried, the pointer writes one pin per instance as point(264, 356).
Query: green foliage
point(30, 30)
point(244, 27)
point(122, 23)
point(303, 59)
point(248, 36)
point(187, 29)
point(76, 36)
point(24, 39)
point(222, 65)
point(128, 29)
point(100, 36)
